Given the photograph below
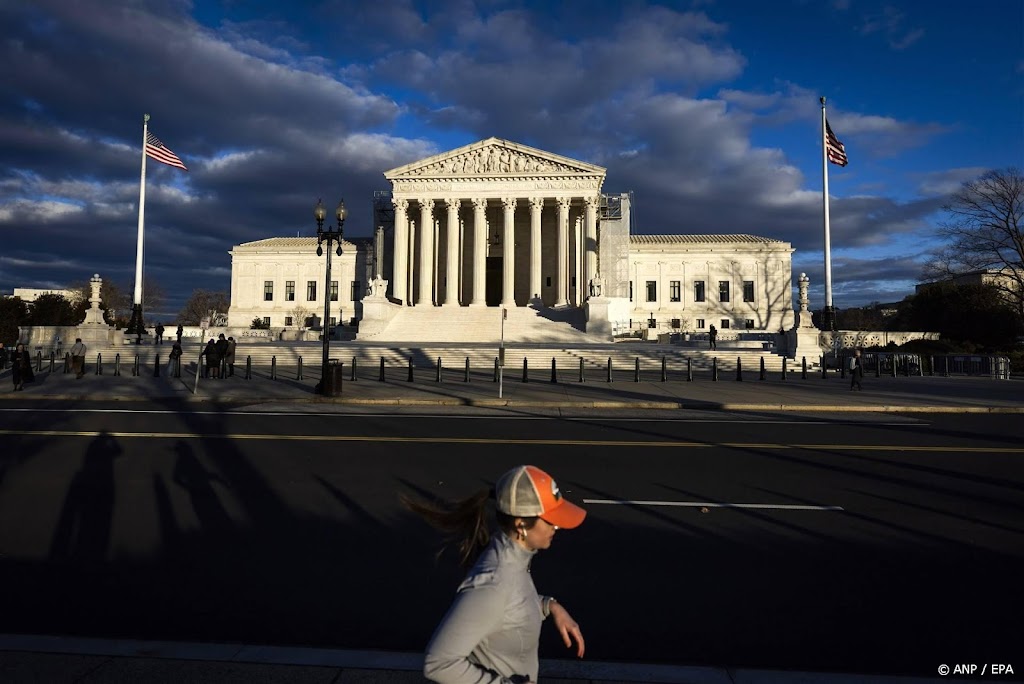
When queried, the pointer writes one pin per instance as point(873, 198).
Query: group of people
point(220, 357)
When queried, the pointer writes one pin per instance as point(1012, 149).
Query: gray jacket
point(491, 631)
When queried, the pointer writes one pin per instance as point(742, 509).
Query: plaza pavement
point(57, 660)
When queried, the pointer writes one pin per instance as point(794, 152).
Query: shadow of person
point(190, 475)
point(82, 534)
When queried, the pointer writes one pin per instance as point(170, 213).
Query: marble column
point(401, 254)
point(536, 208)
point(479, 252)
point(563, 251)
point(590, 242)
point(410, 276)
point(508, 261)
point(451, 290)
point(577, 261)
point(425, 297)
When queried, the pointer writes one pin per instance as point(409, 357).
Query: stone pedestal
point(804, 339)
point(377, 310)
point(93, 330)
point(602, 314)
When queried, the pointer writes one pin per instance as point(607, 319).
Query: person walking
point(159, 329)
point(230, 356)
point(492, 629)
point(713, 337)
point(21, 367)
point(222, 355)
point(856, 371)
point(181, 331)
point(78, 358)
point(3, 356)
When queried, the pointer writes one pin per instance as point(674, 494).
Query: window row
point(675, 291)
point(289, 290)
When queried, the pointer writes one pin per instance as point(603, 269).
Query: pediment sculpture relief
point(489, 161)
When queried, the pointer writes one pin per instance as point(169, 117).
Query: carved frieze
point(491, 160)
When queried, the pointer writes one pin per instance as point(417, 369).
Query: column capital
point(508, 202)
point(400, 203)
point(564, 202)
point(536, 203)
point(452, 202)
point(425, 203)
point(479, 202)
point(593, 201)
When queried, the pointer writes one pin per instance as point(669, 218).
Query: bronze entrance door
point(494, 281)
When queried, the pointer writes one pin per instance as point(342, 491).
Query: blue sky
point(707, 111)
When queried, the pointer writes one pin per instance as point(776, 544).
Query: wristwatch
point(546, 604)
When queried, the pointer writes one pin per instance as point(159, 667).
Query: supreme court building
point(501, 226)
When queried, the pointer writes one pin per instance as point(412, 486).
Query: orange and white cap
point(527, 491)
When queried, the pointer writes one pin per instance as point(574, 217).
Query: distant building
point(1006, 282)
point(30, 294)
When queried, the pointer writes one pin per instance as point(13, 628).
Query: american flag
point(836, 150)
point(157, 150)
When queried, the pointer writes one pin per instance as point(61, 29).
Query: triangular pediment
point(494, 157)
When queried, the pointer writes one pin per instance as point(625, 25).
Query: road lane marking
point(518, 442)
point(712, 504)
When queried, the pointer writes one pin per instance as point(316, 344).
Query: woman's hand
point(567, 627)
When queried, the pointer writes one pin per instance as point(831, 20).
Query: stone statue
point(804, 282)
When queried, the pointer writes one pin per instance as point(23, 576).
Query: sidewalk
point(56, 660)
point(813, 394)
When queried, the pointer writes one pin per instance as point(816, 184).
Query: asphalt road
point(879, 543)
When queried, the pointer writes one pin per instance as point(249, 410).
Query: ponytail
point(463, 522)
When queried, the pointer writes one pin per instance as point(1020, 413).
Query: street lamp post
point(328, 235)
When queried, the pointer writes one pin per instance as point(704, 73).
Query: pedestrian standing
point(222, 355)
point(492, 630)
point(21, 367)
point(181, 331)
point(856, 371)
point(212, 359)
point(78, 358)
point(174, 361)
point(159, 329)
point(713, 337)
point(230, 357)
point(3, 356)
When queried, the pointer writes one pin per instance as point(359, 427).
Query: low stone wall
point(853, 339)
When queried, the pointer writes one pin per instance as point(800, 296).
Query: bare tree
point(984, 233)
point(204, 303)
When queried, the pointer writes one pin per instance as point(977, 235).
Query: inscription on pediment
point(490, 160)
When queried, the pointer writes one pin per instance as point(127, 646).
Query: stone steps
point(427, 324)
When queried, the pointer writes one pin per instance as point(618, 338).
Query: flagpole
point(828, 317)
point(136, 326)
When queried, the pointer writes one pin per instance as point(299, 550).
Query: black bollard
point(609, 369)
point(824, 369)
point(526, 370)
point(664, 369)
point(689, 369)
point(784, 359)
point(135, 366)
point(409, 379)
point(177, 367)
point(52, 358)
point(438, 369)
point(762, 375)
point(39, 362)
point(67, 363)
point(636, 370)
point(894, 365)
point(581, 370)
point(739, 369)
point(117, 364)
point(803, 368)
point(554, 371)
point(381, 377)
point(99, 364)
point(714, 368)
point(931, 366)
point(842, 367)
point(496, 369)
point(298, 370)
point(354, 377)
point(248, 367)
point(466, 377)
point(878, 365)
point(156, 365)
point(273, 368)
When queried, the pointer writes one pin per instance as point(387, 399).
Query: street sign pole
point(501, 354)
point(204, 325)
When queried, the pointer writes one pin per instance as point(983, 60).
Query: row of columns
point(405, 240)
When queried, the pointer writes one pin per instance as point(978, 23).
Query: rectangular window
point(748, 290)
point(334, 290)
point(310, 290)
point(266, 321)
point(652, 290)
point(700, 323)
point(268, 290)
point(698, 290)
point(287, 321)
point(674, 291)
point(750, 324)
point(334, 321)
point(289, 290)
point(357, 290)
point(725, 324)
point(723, 291)
point(548, 281)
